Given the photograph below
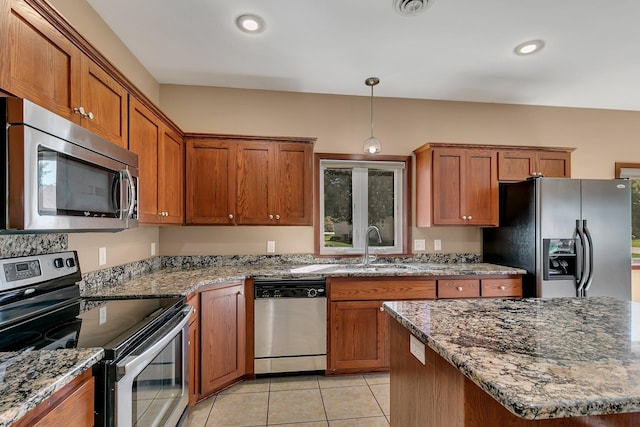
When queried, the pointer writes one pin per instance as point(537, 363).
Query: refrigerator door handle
point(583, 258)
point(590, 242)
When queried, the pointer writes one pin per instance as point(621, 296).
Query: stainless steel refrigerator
point(573, 236)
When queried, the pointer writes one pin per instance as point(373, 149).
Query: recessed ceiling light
point(250, 23)
point(529, 47)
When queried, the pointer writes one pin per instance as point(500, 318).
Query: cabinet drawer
point(381, 289)
point(458, 288)
point(502, 288)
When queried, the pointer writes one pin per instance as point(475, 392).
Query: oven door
point(153, 389)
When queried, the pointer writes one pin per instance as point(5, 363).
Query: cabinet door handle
point(459, 288)
point(464, 217)
point(230, 216)
point(469, 217)
point(270, 216)
point(85, 115)
point(277, 216)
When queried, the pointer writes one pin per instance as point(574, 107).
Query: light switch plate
point(437, 245)
point(102, 256)
point(271, 246)
point(419, 245)
point(416, 347)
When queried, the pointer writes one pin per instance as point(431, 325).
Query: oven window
point(157, 390)
point(67, 186)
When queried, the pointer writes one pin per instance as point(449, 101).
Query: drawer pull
point(502, 287)
point(459, 288)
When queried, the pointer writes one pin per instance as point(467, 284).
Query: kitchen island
point(528, 362)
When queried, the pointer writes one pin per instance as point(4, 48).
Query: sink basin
point(374, 268)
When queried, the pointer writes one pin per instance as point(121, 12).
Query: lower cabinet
point(358, 329)
point(218, 339)
point(71, 405)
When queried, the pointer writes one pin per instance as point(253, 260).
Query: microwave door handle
point(583, 258)
point(115, 194)
point(131, 193)
point(589, 280)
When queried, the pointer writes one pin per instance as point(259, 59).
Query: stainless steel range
point(143, 378)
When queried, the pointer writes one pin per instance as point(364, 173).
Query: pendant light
point(371, 144)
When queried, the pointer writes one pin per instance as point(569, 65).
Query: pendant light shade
point(372, 144)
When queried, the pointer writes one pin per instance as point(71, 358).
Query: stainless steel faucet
point(371, 228)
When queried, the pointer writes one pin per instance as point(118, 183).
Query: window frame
point(404, 221)
point(635, 262)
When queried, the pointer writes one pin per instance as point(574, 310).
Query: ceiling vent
point(411, 7)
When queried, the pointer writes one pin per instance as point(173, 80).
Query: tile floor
point(302, 401)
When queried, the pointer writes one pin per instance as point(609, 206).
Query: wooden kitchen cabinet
point(518, 165)
point(274, 184)
point(358, 328)
point(194, 348)
point(222, 337)
point(458, 288)
point(160, 153)
point(211, 182)
point(249, 181)
point(38, 62)
point(456, 186)
point(75, 401)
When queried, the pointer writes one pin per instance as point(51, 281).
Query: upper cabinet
point(160, 166)
point(249, 181)
point(518, 165)
point(40, 63)
point(456, 186)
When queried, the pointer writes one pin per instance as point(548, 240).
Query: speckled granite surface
point(13, 245)
point(540, 358)
point(28, 378)
point(182, 281)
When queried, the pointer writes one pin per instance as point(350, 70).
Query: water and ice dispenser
point(560, 261)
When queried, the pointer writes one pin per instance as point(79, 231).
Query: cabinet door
point(294, 184)
point(107, 100)
point(516, 165)
point(256, 176)
point(222, 337)
point(448, 176)
point(211, 182)
point(554, 164)
point(358, 337)
point(144, 130)
point(36, 61)
point(480, 188)
point(171, 177)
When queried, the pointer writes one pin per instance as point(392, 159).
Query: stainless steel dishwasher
point(290, 325)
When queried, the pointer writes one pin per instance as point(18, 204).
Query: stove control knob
point(312, 293)
point(58, 263)
point(70, 262)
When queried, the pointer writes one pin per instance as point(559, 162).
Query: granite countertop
point(181, 281)
point(28, 378)
point(540, 358)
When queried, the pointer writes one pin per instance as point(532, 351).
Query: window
point(632, 171)
point(356, 192)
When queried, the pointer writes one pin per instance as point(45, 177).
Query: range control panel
point(29, 270)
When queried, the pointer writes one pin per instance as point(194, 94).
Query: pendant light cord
point(371, 111)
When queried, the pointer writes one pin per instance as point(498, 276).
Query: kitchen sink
point(374, 268)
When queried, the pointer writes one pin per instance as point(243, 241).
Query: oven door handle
point(133, 365)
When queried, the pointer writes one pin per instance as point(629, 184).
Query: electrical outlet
point(419, 245)
point(437, 245)
point(153, 248)
point(102, 256)
point(271, 246)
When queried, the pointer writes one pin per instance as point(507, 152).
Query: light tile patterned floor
point(301, 401)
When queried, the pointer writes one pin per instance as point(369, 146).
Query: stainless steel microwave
point(61, 177)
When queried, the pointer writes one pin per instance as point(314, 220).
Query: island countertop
point(539, 358)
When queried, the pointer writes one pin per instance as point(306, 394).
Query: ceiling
point(455, 50)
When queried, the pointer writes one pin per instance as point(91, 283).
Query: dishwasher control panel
point(290, 289)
